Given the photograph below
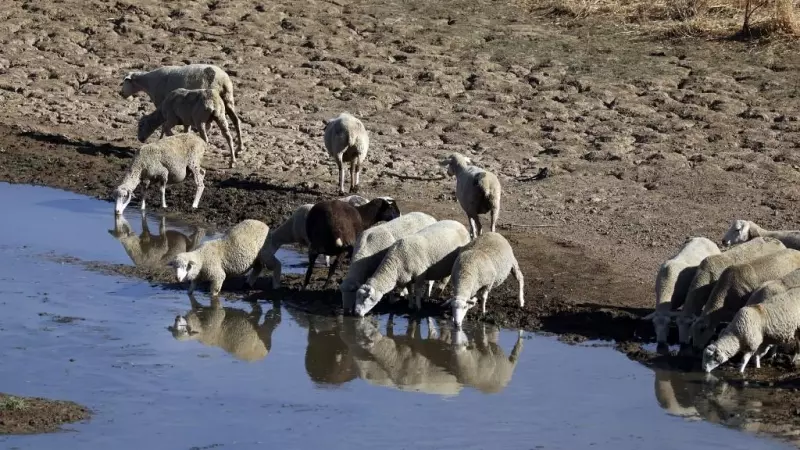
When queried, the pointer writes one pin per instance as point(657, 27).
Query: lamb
point(333, 226)
point(707, 274)
point(147, 250)
point(372, 246)
point(477, 190)
point(231, 329)
point(773, 321)
point(233, 254)
point(428, 254)
point(158, 83)
point(734, 287)
point(672, 284)
point(165, 161)
point(346, 140)
point(481, 265)
point(293, 231)
point(744, 230)
point(188, 107)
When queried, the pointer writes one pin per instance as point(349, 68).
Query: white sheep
point(734, 287)
point(478, 191)
point(231, 329)
point(232, 254)
point(293, 231)
point(198, 108)
point(148, 250)
point(744, 230)
point(158, 83)
point(775, 320)
point(672, 283)
point(482, 265)
point(346, 140)
point(708, 273)
point(167, 162)
point(371, 247)
point(428, 254)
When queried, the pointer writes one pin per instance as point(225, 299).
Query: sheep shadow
point(595, 322)
point(253, 184)
point(82, 146)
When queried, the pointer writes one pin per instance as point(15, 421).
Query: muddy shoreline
point(34, 415)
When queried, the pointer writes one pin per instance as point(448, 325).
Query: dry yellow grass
point(677, 18)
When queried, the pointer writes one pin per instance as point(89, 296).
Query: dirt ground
point(29, 415)
point(646, 141)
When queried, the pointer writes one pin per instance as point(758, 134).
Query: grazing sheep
point(231, 329)
point(158, 83)
point(198, 108)
point(165, 161)
point(346, 140)
point(774, 321)
point(233, 254)
point(293, 231)
point(477, 190)
point(481, 265)
point(147, 250)
point(372, 246)
point(672, 284)
point(706, 277)
point(744, 230)
point(735, 286)
point(333, 226)
point(428, 254)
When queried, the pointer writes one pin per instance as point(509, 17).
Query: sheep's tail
point(489, 186)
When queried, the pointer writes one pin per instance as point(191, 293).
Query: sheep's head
point(389, 209)
point(366, 299)
point(148, 124)
point(738, 232)
point(122, 228)
point(187, 266)
point(122, 196)
point(684, 324)
point(186, 327)
point(129, 85)
point(701, 332)
point(661, 321)
point(355, 200)
point(454, 160)
point(348, 289)
point(459, 307)
point(713, 357)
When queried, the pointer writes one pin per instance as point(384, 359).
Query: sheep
point(744, 230)
point(232, 254)
point(707, 274)
point(428, 254)
point(148, 250)
point(333, 226)
point(478, 191)
point(481, 265)
point(672, 284)
point(158, 83)
point(734, 287)
point(293, 231)
point(676, 394)
point(188, 107)
point(372, 246)
point(484, 365)
point(231, 329)
point(346, 140)
point(775, 320)
point(166, 161)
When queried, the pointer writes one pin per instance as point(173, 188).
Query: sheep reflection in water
point(148, 250)
point(234, 330)
point(441, 363)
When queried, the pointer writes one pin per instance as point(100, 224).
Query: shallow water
point(285, 378)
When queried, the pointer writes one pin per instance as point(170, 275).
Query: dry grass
point(682, 18)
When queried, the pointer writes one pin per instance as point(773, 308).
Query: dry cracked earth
point(645, 141)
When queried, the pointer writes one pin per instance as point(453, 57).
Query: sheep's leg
point(430, 287)
point(521, 281)
point(270, 261)
point(332, 269)
point(358, 173)
point(419, 286)
point(327, 261)
point(192, 286)
point(144, 194)
point(230, 109)
point(340, 165)
point(255, 273)
point(493, 215)
point(761, 355)
point(484, 295)
point(312, 258)
point(433, 333)
point(478, 226)
point(443, 285)
point(199, 175)
point(745, 359)
point(164, 193)
point(222, 123)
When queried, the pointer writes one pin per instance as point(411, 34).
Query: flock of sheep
point(753, 287)
point(388, 251)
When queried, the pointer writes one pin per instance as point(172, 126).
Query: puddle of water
point(283, 378)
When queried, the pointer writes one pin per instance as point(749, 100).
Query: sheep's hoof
point(354, 189)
